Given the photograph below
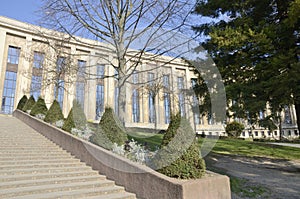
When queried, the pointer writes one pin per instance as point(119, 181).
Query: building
point(41, 62)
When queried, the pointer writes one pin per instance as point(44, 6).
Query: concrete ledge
point(136, 178)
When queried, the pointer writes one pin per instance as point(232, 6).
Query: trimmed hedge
point(54, 113)
point(180, 148)
point(76, 118)
point(29, 104)
point(110, 129)
point(22, 102)
point(39, 107)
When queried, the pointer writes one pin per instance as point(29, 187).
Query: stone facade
point(41, 62)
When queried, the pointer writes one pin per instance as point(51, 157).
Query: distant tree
point(269, 123)
point(255, 45)
point(234, 129)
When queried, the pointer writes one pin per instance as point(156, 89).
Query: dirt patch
point(280, 179)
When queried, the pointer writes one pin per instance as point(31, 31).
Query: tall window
point(135, 98)
point(100, 71)
point(287, 115)
point(261, 115)
point(100, 91)
point(9, 92)
point(13, 55)
point(195, 104)
point(36, 79)
point(59, 83)
point(60, 64)
point(166, 95)
point(150, 98)
point(81, 69)
point(80, 93)
point(60, 89)
point(35, 87)
point(181, 104)
point(38, 59)
point(9, 88)
point(80, 84)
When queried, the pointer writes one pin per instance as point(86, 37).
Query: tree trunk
point(280, 127)
point(297, 107)
point(122, 99)
point(155, 118)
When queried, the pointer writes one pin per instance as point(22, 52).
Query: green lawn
point(230, 147)
point(153, 140)
point(254, 149)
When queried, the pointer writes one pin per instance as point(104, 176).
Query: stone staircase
point(32, 167)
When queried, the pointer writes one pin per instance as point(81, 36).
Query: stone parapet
point(139, 179)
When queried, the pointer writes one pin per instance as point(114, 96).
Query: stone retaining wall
point(139, 179)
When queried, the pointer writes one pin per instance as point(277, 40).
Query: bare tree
point(124, 25)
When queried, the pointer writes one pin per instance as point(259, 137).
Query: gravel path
point(281, 177)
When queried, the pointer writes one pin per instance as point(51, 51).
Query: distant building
point(53, 66)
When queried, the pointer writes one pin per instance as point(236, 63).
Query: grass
point(242, 188)
point(230, 147)
point(153, 140)
point(255, 149)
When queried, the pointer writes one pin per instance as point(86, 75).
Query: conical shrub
point(54, 113)
point(29, 104)
point(110, 128)
point(39, 107)
point(22, 102)
point(76, 118)
point(179, 156)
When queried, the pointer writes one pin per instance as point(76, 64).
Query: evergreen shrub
point(22, 102)
point(180, 151)
point(110, 130)
point(39, 107)
point(76, 118)
point(29, 104)
point(54, 113)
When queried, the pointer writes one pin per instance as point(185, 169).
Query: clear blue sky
point(22, 10)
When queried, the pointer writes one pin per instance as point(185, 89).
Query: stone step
point(43, 170)
point(10, 178)
point(36, 182)
point(42, 161)
point(28, 148)
point(34, 153)
point(82, 193)
point(107, 186)
point(31, 166)
point(20, 158)
point(41, 165)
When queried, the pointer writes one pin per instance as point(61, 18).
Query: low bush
point(234, 129)
point(180, 151)
point(39, 107)
point(110, 128)
point(54, 113)
point(76, 118)
point(22, 102)
point(29, 104)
